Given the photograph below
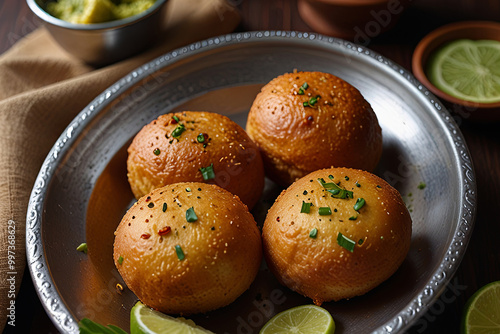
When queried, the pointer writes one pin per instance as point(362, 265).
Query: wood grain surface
point(481, 263)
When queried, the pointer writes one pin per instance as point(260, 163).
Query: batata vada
point(306, 121)
point(336, 233)
point(188, 248)
point(194, 146)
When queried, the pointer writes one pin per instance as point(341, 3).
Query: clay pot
point(474, 30)
point(355, 20)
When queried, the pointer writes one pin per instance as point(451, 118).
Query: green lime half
point(468, 70)
point(144, 320)
point(305, 319)
point(482, 311)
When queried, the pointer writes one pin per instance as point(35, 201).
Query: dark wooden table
point(481, 263)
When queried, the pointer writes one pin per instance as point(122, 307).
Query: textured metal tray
point(81, 191)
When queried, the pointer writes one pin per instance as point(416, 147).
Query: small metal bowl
point(100, 44)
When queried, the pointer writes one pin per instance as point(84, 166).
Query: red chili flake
point(174, 120)
point(277, 219)
point(148, 198)
point(308, 120)
point(145, 236)
point(165, 230)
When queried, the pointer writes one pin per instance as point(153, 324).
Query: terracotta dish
point(358, 20)
point(474, 30)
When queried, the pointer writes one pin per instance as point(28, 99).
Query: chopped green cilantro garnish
point(306, 207)
point(208, 172)
point(179, 252)
point(314, 233)
point(82, 248)
point(345, 242)
point(360, 202)
point(191, 215)
point(324, 211)
point(178, 131)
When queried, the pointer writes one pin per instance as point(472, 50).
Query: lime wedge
point(468, 70)
point(482, 311)
point(305, 319)
point(144, 320)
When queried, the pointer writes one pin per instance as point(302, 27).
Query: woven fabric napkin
point(42, 88)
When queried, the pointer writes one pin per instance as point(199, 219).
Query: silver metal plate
point(82, 192)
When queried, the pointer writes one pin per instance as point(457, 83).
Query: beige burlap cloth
point(42, 89)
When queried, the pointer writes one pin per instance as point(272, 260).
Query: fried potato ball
point(195, 146)
point(336, 233)
point(187, 248)
point(307, 121)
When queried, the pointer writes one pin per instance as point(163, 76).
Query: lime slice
point(482, 311)
point(144, 320)
point(468, 70)
point(305, 319)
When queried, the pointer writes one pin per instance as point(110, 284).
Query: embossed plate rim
point(46, 289)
